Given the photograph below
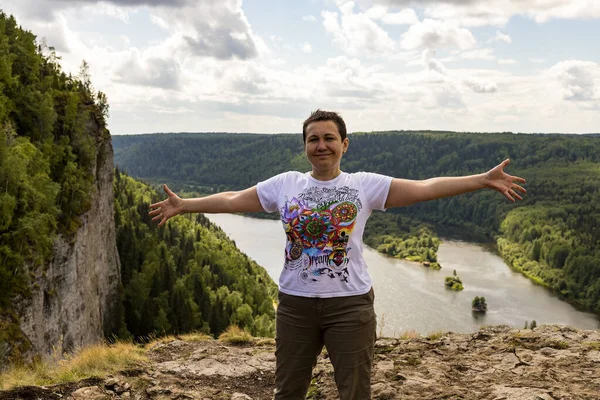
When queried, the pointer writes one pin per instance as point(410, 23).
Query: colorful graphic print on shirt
point(318, 224)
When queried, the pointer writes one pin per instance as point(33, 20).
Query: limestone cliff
point(75, 297)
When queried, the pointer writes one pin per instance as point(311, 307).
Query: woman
point(325, 294)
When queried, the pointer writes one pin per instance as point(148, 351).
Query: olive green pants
point(345, 325)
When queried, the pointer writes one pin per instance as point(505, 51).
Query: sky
point(263, 65)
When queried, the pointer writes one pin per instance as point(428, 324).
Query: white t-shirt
point(324, 223)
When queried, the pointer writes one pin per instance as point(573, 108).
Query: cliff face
point(75, 297)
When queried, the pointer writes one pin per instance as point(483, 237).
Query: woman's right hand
point(167, 208)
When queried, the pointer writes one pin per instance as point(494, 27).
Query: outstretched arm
point(225, 202)
point(404, 192)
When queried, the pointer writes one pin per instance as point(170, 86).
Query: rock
point(116, 386)
point(156, 390)
point(593, 356)
point(90, 393)
point(548, 351)
point(382, 391)
point(495, 363)
point(240, 396)
point(520, 393)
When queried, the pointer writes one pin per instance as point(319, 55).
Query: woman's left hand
point(504, 183)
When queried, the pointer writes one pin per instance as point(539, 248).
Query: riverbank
point(410, 296)
point(550, 362)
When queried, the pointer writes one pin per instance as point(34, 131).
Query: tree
point(103, 106)
point(533, 325)
point(454, 283)
point(86, 78)
point(479, 304)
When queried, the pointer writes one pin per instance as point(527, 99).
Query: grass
point(101, 360)
point(154, 340)
point(195, 337)
point(94, 361)
point(187, 337)
point(264, 342)
point(313, 390)
point(409, 334)
point(592, 345)
point(435, 335)
point(559, 345)
point(234, 335)
point(412, 360)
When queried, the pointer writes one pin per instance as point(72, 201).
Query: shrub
point(234, 335)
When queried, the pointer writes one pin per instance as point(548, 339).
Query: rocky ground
point(496, 363)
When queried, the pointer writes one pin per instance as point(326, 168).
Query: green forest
point(51, 127)
point(186, 276)
point(552, 236)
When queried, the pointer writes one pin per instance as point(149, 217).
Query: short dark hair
point(321, 115)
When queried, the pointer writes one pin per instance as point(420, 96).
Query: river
point(409, 296)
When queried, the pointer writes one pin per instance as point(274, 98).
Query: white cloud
point(245, 79)
point(481, 87)
point(407, 16)
point(499, 12)
point(112, 10)
point(149, 70)
point(431, 63)
point(36, 10)
point(580, 9)
point(537, 60)
point(478, 54)
point(450, 80)
point(432, 34)
point(214, 29)
point(240, 82)
point(309, 18)
point(357, 33)
point(55, 33)
point(579, 80)
point(376, 12)
point(500, 37)
point(158, 21)
point(210, 28)
point(130, 3)
point(306, 48)
point(160, 109)
point(343, 77)
point(475, 54)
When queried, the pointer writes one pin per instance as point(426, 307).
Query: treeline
point(51, 126)
point(185, 276)
point(212, 160)
point(561, 170)
point(402, 237)
point(556, 247)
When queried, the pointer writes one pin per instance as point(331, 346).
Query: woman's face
point(324, 146)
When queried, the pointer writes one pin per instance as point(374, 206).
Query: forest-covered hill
point(186, 276)
point(52, 126)
point(553, 236)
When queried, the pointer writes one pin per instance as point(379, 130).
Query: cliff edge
point(496, 363)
